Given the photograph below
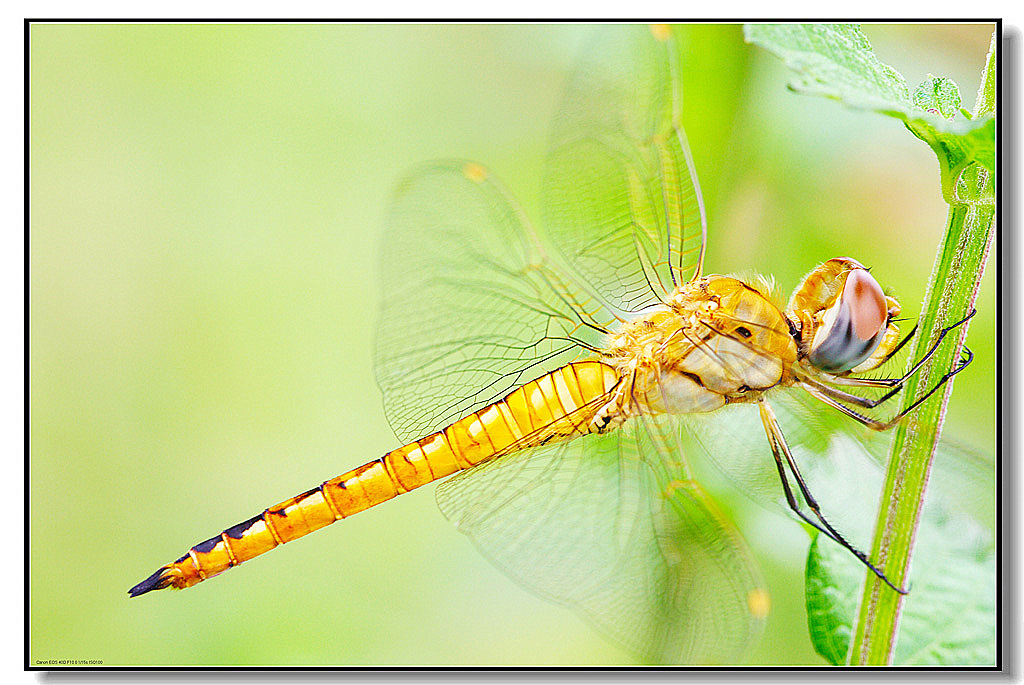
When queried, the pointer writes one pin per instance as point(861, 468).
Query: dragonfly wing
point(850, 463)
point(840, 474)
point(470, 311)
point(473, 303)
point(841, 461)
point(612, 526)
point(621, 195)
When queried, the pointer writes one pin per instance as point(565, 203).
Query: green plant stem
point(952, 291)
point(951, 296)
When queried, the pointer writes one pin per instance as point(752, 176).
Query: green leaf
point(946, 618)
point(831, 592)
point(837, 61)
point(981, 144)
point(939, 95)
point(834, 60)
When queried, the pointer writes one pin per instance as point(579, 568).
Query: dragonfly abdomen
point(557, 405)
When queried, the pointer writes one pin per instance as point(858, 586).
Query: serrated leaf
point(834, 60)
point(837, 61)
point(948, 618)
point(939, 95)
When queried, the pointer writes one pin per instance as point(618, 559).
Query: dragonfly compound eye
point(853, 326)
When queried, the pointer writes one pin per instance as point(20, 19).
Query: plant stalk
point(952, 291)
point(957, 273)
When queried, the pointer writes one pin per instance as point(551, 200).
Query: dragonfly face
point(843, 317)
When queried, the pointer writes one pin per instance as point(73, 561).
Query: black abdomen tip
point(157, 581)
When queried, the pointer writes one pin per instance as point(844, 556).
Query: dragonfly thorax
point(714, 341)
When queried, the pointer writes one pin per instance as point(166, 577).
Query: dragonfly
point(564, 380)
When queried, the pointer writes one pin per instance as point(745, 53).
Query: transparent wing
point(842, 461)
point(613, 526)
point(473, 305)
point(622, 200)
point(470, 310)
point(840, 474)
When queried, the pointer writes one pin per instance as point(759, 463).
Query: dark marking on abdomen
point(238, 530)
point(307, 493)
point(207, 545)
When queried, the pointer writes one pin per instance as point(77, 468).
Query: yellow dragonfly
point(564, 379)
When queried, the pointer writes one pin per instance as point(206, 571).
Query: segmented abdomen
point(557, 405)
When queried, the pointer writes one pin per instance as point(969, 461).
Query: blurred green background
point(205, 224)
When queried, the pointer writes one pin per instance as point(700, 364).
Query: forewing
point(612, 526)
point(621, 196)
point(470, 310)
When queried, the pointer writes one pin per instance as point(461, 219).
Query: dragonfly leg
point(780, 451)
point(831, 397)
point(901, 344)
point(897, 383)
point(868, 402)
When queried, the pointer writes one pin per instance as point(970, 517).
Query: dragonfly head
point(845, 320)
